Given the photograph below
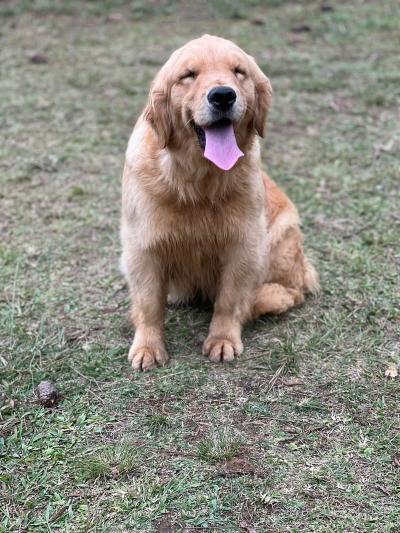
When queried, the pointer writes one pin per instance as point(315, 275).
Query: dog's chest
point(200, 229)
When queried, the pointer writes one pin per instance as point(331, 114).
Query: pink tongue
point(221, 147)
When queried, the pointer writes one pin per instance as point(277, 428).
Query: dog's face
point(207, 87)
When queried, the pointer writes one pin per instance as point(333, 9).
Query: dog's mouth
point(201, 133)
point(219, 143)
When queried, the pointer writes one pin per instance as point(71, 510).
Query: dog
point(199, 216)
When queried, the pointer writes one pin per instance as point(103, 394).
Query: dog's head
point(210, 93)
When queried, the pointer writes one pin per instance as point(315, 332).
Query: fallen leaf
point(292, 382)
point(58, 514)
point(391, 371)
point(115, 17)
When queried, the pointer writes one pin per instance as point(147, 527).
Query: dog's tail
point(311, 277)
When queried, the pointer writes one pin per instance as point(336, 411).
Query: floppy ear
point(157, 110)
point(263, 97)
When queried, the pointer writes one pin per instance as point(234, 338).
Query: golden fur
point(189, 227)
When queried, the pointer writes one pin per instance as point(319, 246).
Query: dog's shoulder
point(276, 199)
point(141, 144)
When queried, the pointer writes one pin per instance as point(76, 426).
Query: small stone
point(37, 58)
point(301, 28)
point(257, 21)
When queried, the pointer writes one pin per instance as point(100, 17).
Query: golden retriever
point(199, 216)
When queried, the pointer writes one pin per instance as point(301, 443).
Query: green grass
point(157, 423)
point(224, 444)
point(307, 405)
point(111, 461)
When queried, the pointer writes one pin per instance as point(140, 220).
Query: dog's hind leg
point(291, 275)
point(273, 298)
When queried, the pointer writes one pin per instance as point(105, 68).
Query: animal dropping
point(47, 394)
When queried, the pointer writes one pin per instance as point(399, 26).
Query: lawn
point(302, 432)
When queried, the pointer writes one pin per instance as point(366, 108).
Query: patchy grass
point(317, 418)
point(157, 423)
point(115, 460)
point(224, 444)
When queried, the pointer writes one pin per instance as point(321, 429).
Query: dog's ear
point(263, 97)
point(157, 110)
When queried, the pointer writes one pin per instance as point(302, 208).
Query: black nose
point(222, 97)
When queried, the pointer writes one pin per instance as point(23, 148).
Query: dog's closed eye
point(240, 72)
point(188, 75)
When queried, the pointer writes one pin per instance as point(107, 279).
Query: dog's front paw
point(147, 357)
point(221, 350)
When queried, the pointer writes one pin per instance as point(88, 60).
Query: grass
point(157, 423)
point(224, 444)
point(115, 460)
point(308, 406)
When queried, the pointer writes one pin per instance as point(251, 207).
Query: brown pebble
point(47, 394)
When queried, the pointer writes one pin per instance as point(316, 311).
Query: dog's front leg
point(148, 290)
point(232, 306)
